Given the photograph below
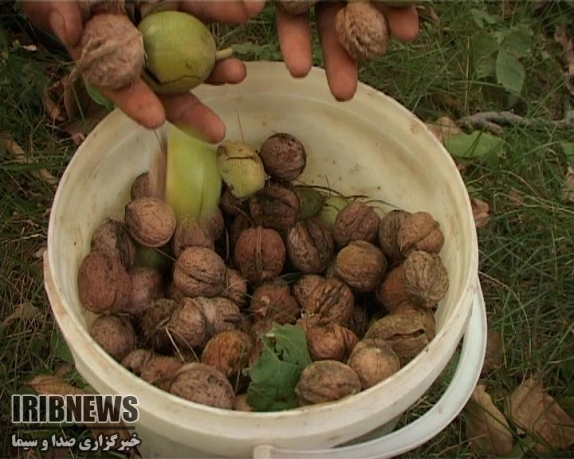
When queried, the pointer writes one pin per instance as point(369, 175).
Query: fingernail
point(214, 128)
point(58, 26)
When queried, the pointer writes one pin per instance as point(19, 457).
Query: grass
point(526, 249)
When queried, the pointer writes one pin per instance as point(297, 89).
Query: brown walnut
point(235, 288)
point(160, 370)
point(275, 206)
point(228, 351)
point(230, 205)
point(153, 322)
point(115, 334)
point(283, 156)
point(374, 361)
point(203, 384)
point(199, 272)
point(140, 187)
point(273, 301)
point(425, 278)
point(189, 233)
point(420, 231)
point(329, 342)
point(356, 222)
point(310, 245)
point(146, 285)
point(150, 221)
point(136, 359)
point(112, 238)
point(388, 233)
point(326, 381)
point(361, 265)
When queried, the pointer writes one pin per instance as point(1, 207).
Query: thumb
point(62, 18)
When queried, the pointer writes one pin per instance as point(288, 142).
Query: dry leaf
point(515, 197)
point(24, 311)
point(494, 357)
point(480, 212)
point(52, 385)
point(19, 156)
point(561, 37)
point(537, 413)
point(486, 427)
point(444, 128)
point(568, 191)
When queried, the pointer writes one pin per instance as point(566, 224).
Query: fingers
point(342, 71)
point(187, 110)
point(231, 12)
point(140, 103)
point(62, 18)
point(228, 71)
point(294, 34)
point(403, 22)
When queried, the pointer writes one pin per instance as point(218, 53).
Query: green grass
point(526, 250)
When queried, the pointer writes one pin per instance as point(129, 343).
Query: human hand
point(138, 101)
point(342, 71)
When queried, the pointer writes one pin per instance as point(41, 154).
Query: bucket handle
point(427, 426)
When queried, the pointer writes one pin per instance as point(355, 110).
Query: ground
point(470, 58)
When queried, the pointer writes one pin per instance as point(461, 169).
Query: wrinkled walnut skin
point(374, 361)
point(153, 322)
point(112, 238)
point(150, 221)
point(283, 156)
point(425, 278)
point(356, 222)
point(310, 246)
point(273, 301)
point(115, 334)
point(420, 231)
point(160, 371)
point(326, 381)
point(275, 206)
point(203, 384)
point(228, 352)
point(361, 265)
point(388, 233)
point(199, 272)
point(329, 342)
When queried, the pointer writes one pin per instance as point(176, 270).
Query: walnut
point(275, 206)
point(230, 205)
point(324, 300)
point(273, 301)
point(388, 233)
point(136, 359)
point(426, 278)
point(140, 187)
point(328, 342)
point(153, 324)
point(283, 156)
point(359, 321)
point(213, 224)
point(199, 272)
point(103, 283)
point(295, 7)
point(407, 332)
point(374, 361)
point(391, 293)
point(112, 238)
point(235, 288)
point(420, 231)
point(310, 245)
point(203, 384)
point(112, 52)
point(146, 285)
point(356, 221)
point(115, 334)
point(238, 225)
point(174, 293)
point(259, 254)
point(326, 381)
point(362, 31)
point(160, 370)
point(189, 233)
point(241, 403)
point(361, 265)
point(150, 221)
point(228, 351)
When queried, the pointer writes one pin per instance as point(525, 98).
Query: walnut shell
point(213, 224)
point(362, 31)
point(115, 334)
point(203, 384)
point(228, 351)
point(103, 283)
point(388, 233)
point(146, 286)
point(356, 222)
point(329, 342)
point(407, 332)
point(235, 288)
point(391, 293)
point(259, 254)
point(112, 238)
point(189, 233)
point(374, 361)
point(238, 225)
point(112, 52)
point(136, 359)
point(160, 371)
point(310, 245)
point(153, 322)
point(283, 156)
point(324, 300)
point(326, 381)
point(199, 272)
point(425, 278)
point(150, 221)
point(140, 187)
point(361, 265)
point(230, 205)
point(420, 231)
point(275, 206)
point(273, 301)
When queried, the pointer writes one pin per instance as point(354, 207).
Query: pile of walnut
point(361, 25)
point(362, 286)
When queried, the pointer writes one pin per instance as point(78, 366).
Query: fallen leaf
point(486, 427)
point(52, 385)
point(444, 128)
point(22, 311)
point(494, 357)
point(568, 190)
point(538, 414)
point(561, 37)
point(480, 212)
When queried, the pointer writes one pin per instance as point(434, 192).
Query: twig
point(20, 157)
point(494, 121)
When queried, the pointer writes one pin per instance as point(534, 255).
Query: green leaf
point(483, 48)
point(517, 41)
point(482, 18)
point(60, 349)
point(276, 373)
point(509, 72)
point(474, 145)
point(568, 149)
point(98, 98)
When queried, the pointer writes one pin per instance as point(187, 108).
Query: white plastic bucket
point(371, 146)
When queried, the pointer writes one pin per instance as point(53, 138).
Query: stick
point(494, 121)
